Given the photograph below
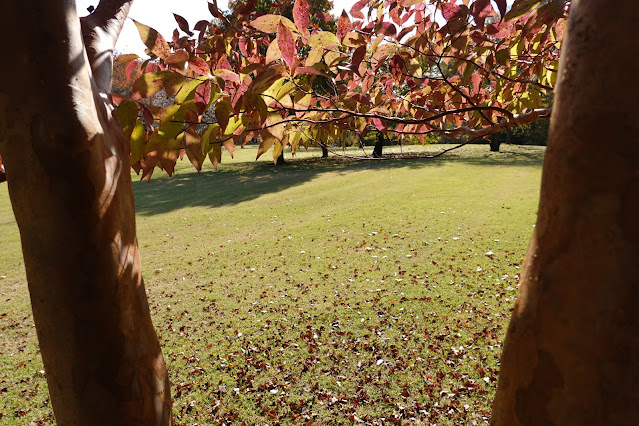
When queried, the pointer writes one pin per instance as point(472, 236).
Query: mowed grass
point(321, 292)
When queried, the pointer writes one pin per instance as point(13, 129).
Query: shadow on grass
point(242, 181)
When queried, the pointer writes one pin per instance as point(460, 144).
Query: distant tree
point(320, 13)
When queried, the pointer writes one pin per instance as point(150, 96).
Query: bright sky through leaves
point(158, 14)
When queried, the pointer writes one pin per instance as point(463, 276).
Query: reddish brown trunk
point(571, 355)
point(67, 166)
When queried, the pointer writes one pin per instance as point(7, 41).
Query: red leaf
point(199, 65)
point(480, 10)
point(501, 5)
point(286, 44)
point(324, 16)
point(202, 96)
point(130, 68)
point(476, 78)
point(214, 10)
point(450, 11)
point(201, 25)
point(397, 67)
point(246, 9)
point(301, 10)
point(380, 125)
point(404, 32)
point(343, 25)
point(177, 58)
point(182, 23)
point(359, 6)
point(358, 55)
point(388, 29)
point(223, 64)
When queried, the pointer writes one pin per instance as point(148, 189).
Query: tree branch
point(513, 121)
point(100, 31)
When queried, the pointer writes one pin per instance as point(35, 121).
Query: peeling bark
point(68, 175)
point(571, 355)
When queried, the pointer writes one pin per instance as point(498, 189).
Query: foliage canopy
point(410, 68)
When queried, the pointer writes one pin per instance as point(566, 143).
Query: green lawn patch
point(320, 292)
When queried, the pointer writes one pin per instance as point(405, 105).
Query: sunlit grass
point(322, 291)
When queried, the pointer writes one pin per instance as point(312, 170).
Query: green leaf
point(502, 57)
point(128, 115)
point(187, 91)
point(520, 8)
point(137, 142)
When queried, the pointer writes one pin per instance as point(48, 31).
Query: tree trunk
point(379, 146)
point(494, 143)
point(280, 159)
point(571, 350)
point(67, 169)
point(324, 151)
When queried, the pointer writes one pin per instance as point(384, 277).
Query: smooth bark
point(69, 181)
point(571, 354)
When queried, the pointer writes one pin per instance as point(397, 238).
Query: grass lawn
point(321, 292)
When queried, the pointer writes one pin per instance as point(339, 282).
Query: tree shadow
point(236, 182)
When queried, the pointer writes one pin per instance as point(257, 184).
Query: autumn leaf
point(173, 83)
point(301, 10)
point(310, 70)
point(153, 40)
point(273, 53)
point(450, 11)
point(322, 39)
point(187, 91)
point(192, 140)
point(127, 114)
point(222, 112)
point(148, 85)
point(286, 44)
point(268, 141)
point(501, 5)
point(199, 65)
point(520, 8)
point(183, 24)
point(359, 5)
point(343, 25)
point(275, 126)
point(270, 23)
point(125, 59)
point(137, 142)
point(380, 125)
point(202, 96)
point(177, 59)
